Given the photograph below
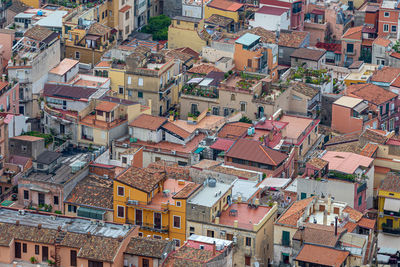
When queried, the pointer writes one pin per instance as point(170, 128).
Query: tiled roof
point(25, 233)
point(395, 55)
point(318, 163)
point(294, 212)
point(374, 136)
point(219, 20)
point(103, 64)
point(225, 5)
point(203, 69)
point(105, 106)
point(189, 257)
point(322, 255)
point(372, 93)
point(304, 89)
point(38, 33)
point(18, 7)
point(276, 3)
point(292, 39)
point(222, 144)
point(382, 41)
point(176, 130)
point(28, 138)
point(346, 162)
point(186, 191)
point(270, 10)
point(266, 36)
point(147, 247)
point(125, 8)
point(233, 130)
point(391, 182)
point(308, 54)
point(64, 66)
point(354, 215)
point(367, 223)
point(319, 234)
point(144, 179)
point(254, 151)
point(369, 150)
point(396, 82)
point(354, 33)
point(67, 91)
point(93, 191)
point(98, 29)
point(188, 51)
point(148, 122)
point(386, 74)
point(350, 226)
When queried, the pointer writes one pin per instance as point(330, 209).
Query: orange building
point(254, 56)
point(388, 18)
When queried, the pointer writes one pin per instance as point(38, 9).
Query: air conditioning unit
point(133, 202)
point(223, 233)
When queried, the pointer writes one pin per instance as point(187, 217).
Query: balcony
point(391, 213)
point(286, 242)
point(390, 230)
point(154, 228)
point(196, 91)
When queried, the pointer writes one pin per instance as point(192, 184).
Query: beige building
point(187, 32)
point(210, 213)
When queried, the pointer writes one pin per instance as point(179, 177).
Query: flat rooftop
point(296, 126)
point(244, 188)
point(75, 225)
point(208, 196)
point(245, 216)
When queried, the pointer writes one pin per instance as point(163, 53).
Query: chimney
point(325, 222)
point(39, 226)
point(214, 248)
point(216, 220)
point(335, 225)
point(235, 223)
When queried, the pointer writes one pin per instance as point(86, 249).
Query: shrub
point(57, 212)
point(33, 260)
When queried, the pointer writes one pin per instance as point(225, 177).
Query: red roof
point(318, 12)
point(329, 47)
point(393, 142)
point(269, 10)
point(225, 5)
point(222, 144)
point(322, 255)
point(245, 216)
point(395, 55)
point(354, 33)
point(125, 8)
point(275, 3)
point(367, 223)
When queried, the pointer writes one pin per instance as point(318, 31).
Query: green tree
point(158, 27)
point(396, 46)
point(245, 119)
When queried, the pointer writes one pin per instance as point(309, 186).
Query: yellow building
point(187, 32)
point(360, 75)
point(32, 3)
point(147, 198)
point(389, 204)
point(226, 8)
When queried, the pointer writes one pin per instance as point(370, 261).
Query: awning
point(361, 107)
point(198, 150)
point(91, 213)
point(92, 37)
point(392, 204)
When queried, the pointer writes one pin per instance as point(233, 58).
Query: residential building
point(295, 8)
point(271, 18)
point(152, 77)
point(65, 241)
point(9, 96)
point(388, 19)
point(220, 23)
point(7, 38)
point(385, 77)
point(88, 45)
point(308, 58)
point(64, 71)
point(308, 255)
point(26, 146)
point(359, 73)
point(203, 250)
point(379, 99)
point(145, 197)
point(315, 23)
point(351, 45)
point(333, 52)
point(225, 8)
point(212, 213)
point(288, 42)
point(187, 32)
point(148, 251)
point(350, 115)
point(15, 8)
point(31, 68)
point(380, 51)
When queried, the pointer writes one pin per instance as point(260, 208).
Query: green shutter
point(360, 201)
point(285, 238)
point(303, 195)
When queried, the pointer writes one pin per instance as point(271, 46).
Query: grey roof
point(67, 91)
point(208, 196)
point(48, 157)
point(189, 19)
point(244, 188)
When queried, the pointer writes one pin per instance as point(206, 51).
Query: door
point(41, 198)
point(62, 129)
point(157, 220)
point(45, 253)
point(145, 263)
point(17, 250)
point(389, 223)
point(138, 217)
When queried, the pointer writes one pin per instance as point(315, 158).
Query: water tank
point(40, 13)
point(249, 131)
point(212, 182)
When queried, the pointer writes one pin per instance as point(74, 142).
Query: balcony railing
point(154, 227)
point(389, 230)
point(391, 213)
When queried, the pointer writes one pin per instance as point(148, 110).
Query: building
point(88, 46)
point(26, 146)
point(203, 250)
point(296, 11)
point(225, 8)
point(350, 115)
point(31, 68)
point(9, 96)
point(380, 51)
point(288, 42)
point(147, 251)
point(64, 71)
point(146, 197)
point(351, 45)
point(271, 18)
point(212, 213)
point(308, 58)
point(63, 240)
point(388, 19)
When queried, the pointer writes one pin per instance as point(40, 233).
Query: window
point(191, 229)
point(140, 82)
point(385, 27)
point(145, 263)
point(394, 28)
point(138, 217)
point(210, 233)
point(127, 15)
point(121, 189)
point(350, 48)
point(124, 160)
point(226, 112)
point(56, 200)
point(285, 238)
point(360, 201)
point(157, 237)
point(233, 97)
point(95, 264)
point(177, 222)
point(72, 208)
point(121, 90)
point(37, 249)
point(248, 241)
point(303, 195)
point(247, 260)
point(309, 139)
point(243, 106)
point(24, 248)
point(26, 194)
point(178, 203)
point(127, 29)
point(24, 148)
point(386, 14)
point(193, 109)
point(73, 258)
point(102, 15)
point(77, 55)
point(120, 212)
point(215, 111)
point(140, 234)
point(140, 94)
point(177, 242)
point(249, 63)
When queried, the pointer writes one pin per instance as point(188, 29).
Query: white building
point(271, 18)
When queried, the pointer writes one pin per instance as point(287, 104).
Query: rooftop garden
point(192, 89)
point(48, 138)
point(317, 77)
point(247, 80)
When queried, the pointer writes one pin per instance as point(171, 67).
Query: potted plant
point(33, 260)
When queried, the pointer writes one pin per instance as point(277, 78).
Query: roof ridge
point(265, 152)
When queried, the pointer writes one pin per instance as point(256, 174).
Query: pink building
point(6, 42)
point(9, 97)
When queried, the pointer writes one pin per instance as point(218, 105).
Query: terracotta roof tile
point(222, 144)
point(354, 33)
point(395, 55)
point(28, 138)
point(105, 106)
point(382, 41)
point(308, 54)
point(26, 233)
point(176, 130)
point(125, 8)
point(322, 255)
point(293, 39)
point(350, 226)
point(318, 163)
point(187, 191)
point(386, 74)
point(374, 94)
point(225, 5)
point(374, 136)
point(38, 33)
point(148, 122)
point(391, 182)
point(304, 89)
point(294, 212)
point(103, 64)
point(367, 223)
point(354, 215)
point(369, 150)
point(148, 247)
point(203, 69)
point(98, 29)
point(219, 20)
point(233, 130)
point(145, 179)
point(318, 234)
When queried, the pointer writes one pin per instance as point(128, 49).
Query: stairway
point(59, 239)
